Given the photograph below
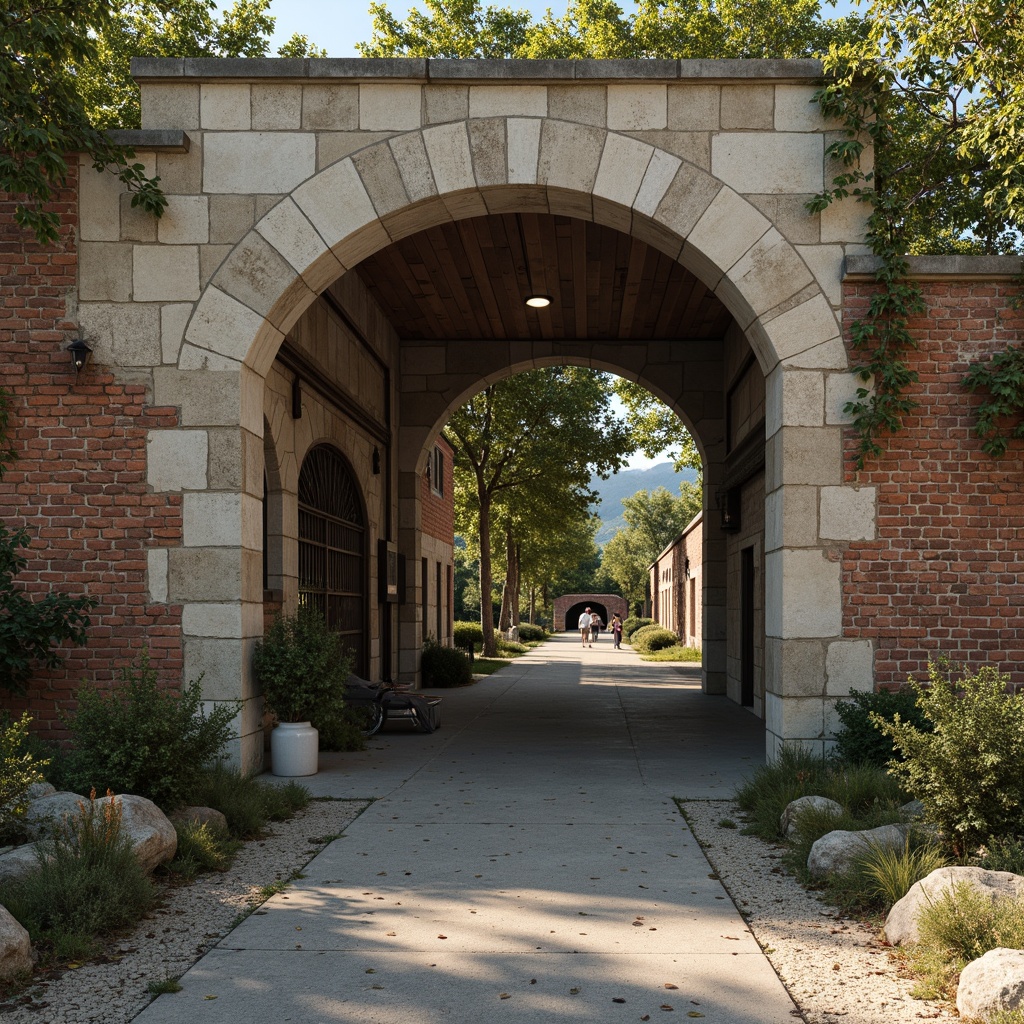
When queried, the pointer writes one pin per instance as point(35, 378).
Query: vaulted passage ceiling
point(470, 279)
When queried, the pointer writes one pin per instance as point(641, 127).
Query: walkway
point(524, 863)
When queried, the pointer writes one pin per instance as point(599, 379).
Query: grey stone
point(44, 814)
point(40, 789)
point(901, 924)
point(631, 69)
point(147, 827)
point(940, 266)
point(200, 816)
point(367, 67)
point(21, 861)
point(167, 140)
point(791, 815)
point(991, 984)
point(15, 946)
point(794, 70)
point(912, 810)
point(504, 69)
point(836, 852)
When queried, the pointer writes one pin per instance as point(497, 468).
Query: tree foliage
point(43, 115)
point(655, 428)
point(525, 451)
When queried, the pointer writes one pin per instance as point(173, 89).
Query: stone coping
point(166, 140)
point(423, 69)
point(858, 267)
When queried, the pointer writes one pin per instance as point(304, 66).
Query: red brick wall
point(438, 514)
point(79, 482)
point(946, 572)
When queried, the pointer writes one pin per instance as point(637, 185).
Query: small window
point(435, 471)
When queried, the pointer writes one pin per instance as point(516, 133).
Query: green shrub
point(530, 633)
point(247, 803)
point(1006, 854)
point(860, 740)
point(18, 770)
point(92, 886)
point(509, 648)
point(631, 624)
point(677, 652)
point(302, 667)
point(653, 638)
point(444, 666)
point(467, 634)
point(341, 728)
point(202, 847)
point(145, 740)
point(969, 772)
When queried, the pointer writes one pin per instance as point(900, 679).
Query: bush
point(677, 652)
point(509, 648)
point(93, 884)
point(631, 624)
point(1002, 855)
point(202, 847)
point(341, 728)
point(145, 740)
point(969, 772)
point(467, 634)
point(302, 667)
point(653, 638)
point(444, 666)
point(247, 803)
point(860, 740)
point(530, 633)
point(18, 771)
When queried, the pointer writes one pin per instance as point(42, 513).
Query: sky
point(337, 25)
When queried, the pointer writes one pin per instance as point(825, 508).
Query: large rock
point(200, 816)
point(40, 789)
point(994, 982)
point(836, 852)
point(790, 816)
point(901, 924)
point(45, 813)
point(15, 947)
point(20, 861)
point(151, 833)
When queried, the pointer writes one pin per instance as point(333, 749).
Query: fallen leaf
point(666, 1007)
point(442, 936)
point(668, 984)
point(638, 924)
point(379, 988)
point(695, 1013)
point(209, 997)
point(504, 995)
point(533, 981)
point(371, 970)
point(298, 928)
point(574, 991)
point(391, 935)
point(646, 1016)
point(617, 1000)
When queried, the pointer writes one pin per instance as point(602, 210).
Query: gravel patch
point(190, 920)
point(835, 968)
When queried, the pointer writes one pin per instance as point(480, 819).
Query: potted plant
point(301, 667)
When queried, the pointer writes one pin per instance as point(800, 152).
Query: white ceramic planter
point(293, 749)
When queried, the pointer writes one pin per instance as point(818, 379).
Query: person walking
point(585, 621)
point(617, 631)
point(596, 625)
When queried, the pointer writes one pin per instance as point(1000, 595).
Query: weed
point(165, 987)
point(726, 823)
point(202, 847)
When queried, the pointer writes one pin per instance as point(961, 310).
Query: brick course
point(78, 484)
point(945, 574)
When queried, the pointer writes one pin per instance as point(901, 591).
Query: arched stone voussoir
point(806, 336)
point(258, 276)
point(292, 234)
point(223, 325)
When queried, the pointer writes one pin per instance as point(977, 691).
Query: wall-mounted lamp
point(727, 501)
point(80, 353)
point(375, 461)
point(686, 567)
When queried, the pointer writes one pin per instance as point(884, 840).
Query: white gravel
point(191, 919)
point(836, 969)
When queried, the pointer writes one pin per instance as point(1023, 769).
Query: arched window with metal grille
point(332, 547)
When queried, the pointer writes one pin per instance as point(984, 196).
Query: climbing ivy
point(1001, 417)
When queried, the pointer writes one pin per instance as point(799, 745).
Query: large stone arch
point(720, 188)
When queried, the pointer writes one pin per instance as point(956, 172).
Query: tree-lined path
point(526, 862)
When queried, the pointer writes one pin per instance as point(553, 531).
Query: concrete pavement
point(524, 863)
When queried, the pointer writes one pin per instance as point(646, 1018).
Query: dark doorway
point(332, 539)
point(572, 616)
point(747, 627)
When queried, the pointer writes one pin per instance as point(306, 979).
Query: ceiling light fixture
point(534, 299)
point(538, 301)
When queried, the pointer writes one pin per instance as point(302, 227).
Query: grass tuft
point(676, 653)
point(202, 847)
point(247, 803)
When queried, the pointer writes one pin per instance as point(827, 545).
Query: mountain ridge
point(625, 484)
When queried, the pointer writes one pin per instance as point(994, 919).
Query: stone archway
point(686, 164)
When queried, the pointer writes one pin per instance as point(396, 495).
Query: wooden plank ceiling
point(469, 279)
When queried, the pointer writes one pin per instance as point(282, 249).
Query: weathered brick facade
point(79, 482)
point(945, 573)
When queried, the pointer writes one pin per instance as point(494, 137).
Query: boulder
point(151, 833)
point(992, 983)
point(901, 924)
point(15, 947)
point(40, 789)
point(913, 810)
point(835, 853)
point(200, 816)
point(46, 812)
point(20, 861)
point(787, 823)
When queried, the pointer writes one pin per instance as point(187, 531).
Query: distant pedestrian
point(585, 621)
point(596, 625)
point(616, 627)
